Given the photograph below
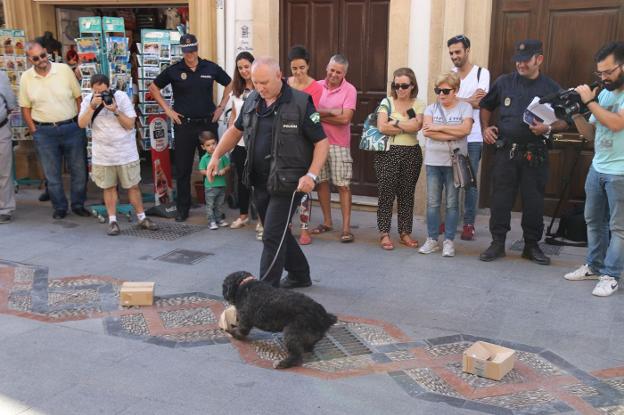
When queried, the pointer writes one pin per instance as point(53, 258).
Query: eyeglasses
point(459, 38)
point(37, 58)
point(600, 74)
point(445, 91)
point(400, 86)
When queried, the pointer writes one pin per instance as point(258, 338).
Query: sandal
point(406, 240)
point(388, 246)
point(321, 229)
point(346, 237)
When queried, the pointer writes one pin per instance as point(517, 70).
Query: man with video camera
point(521, 160)
point(604, 185)
point(114, 153)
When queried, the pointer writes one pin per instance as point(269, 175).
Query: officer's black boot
point(533, 252)
point(495, 250)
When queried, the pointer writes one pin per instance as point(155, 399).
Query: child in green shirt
point(215, 191)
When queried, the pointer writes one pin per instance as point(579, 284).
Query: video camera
point(567, 102)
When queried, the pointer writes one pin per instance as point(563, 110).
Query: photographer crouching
point(114, 153)
point(604, 186)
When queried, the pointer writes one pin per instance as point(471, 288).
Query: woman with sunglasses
point(399, 115)
point(242, 87)
point(447, 123)
point(299, 60)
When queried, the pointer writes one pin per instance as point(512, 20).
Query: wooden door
point(357, 29)
point(572, 31)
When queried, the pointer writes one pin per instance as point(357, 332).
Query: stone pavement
point(405, 318)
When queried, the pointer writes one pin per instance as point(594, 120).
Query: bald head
point(266, 77)
point(267, 62)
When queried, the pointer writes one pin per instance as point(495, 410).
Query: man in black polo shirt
point(521, 159)
point(286, 149)
point(193, 110)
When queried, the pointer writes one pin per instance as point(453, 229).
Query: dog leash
point(292, 201)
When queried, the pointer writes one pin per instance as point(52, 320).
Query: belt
point(189, 120)
point(55, 124)
point(3, 123)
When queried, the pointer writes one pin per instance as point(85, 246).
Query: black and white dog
point(302, 320)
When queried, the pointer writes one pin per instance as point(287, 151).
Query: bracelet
point(590, 101)
point(116, 114)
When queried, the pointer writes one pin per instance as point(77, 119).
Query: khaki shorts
point(338, 167)
point(106, 177)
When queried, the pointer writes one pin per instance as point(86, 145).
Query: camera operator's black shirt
point(511, 94)
point(192, 90)
point(312, 131)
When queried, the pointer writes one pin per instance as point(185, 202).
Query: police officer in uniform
point(286, 148)
point(193, 111)
point(521, 159)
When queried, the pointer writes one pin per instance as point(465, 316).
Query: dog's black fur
point(302, 320)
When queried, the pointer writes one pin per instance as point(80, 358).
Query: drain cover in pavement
point(184, 256)
point(166, 231)
point(547, 249)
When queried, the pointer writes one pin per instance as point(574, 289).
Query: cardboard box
point(488, 360)
point(136, 293)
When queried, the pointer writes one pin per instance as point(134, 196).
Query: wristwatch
point(396, 123)
point(313, 176)
point(116, 114)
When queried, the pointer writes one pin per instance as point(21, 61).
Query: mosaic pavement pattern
point(540, 383)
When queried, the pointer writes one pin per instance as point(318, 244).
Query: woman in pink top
point(299, 59)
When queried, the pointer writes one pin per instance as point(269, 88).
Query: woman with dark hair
point(299, 60)
point(241, 90)
point(401, 116)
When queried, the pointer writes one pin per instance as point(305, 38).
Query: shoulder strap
point(439, 108)
point(478, 73)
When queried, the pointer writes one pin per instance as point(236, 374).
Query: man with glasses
point(604, 185)
point(521, 159)
point(475, 83)
point(49, 96)
point(192, 80)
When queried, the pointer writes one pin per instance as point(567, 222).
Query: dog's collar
point(246, 280)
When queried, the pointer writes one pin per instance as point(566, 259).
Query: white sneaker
point(259, 235)
point(431, 245)
point(213, 226)
point(259, 227)
point(581, 274)
point(448, 248)
point(606, 286)
point(223, 223)
point(239, 223)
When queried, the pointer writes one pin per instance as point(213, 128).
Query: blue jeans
point(604, 212)
point(472, 194)
point(439, 178)
point(215, 198)
point(55, 144)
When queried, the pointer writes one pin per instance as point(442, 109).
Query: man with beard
point(521, 159)
point(604, 185)
point(475, 83)
point(50, 98)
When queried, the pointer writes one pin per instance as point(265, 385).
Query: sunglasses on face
point(400, 86)
point(37, 58)
point(445, 91)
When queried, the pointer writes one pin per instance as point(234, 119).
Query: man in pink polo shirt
point(336, 108)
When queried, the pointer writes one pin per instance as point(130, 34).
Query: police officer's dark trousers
point(508, 176)
point(186, 141)
point(275, 216)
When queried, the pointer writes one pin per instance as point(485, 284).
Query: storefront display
point(13, 62)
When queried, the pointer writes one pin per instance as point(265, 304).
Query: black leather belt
point(75, 119)
point(3, 123)
point(188, 120)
